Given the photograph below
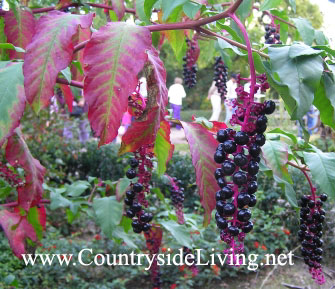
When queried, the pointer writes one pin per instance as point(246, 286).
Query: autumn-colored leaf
point(217, 126)
point(17, 229)
point(113, 58)
point(68, 95)
point(17, 153)
point(203, 146)
point(49, 52)
point(81, 36)
point(12, 99)
point(119, 8)
point(19, 30)
point(163, 148)
point(156, 234)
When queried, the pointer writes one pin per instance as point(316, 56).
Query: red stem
point(73, 82)
point(15, 204)
point(310, 184)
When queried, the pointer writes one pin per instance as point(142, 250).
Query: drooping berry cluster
point(136, 102)
point(311, 218)
point(238, 153)
point(153, 242)
point(190, 66)
point(177, 197)
point(194, 269)
point(220, 76)
point(272, 35)
point(135, 197)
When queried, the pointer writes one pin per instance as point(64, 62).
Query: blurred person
point(215, 98)
point(230, 96)
point(176, 94)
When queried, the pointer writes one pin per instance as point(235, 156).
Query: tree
point(42, 52)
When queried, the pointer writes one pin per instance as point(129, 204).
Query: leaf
point(301, 75)
point(269, 4)
point(305, 30)
point(322, 169)
point(179, 232)
point(148, 4)
point(290, 194)
point(320, 38)
point(144, 130)
point(121, 188)
point(12, 99)
point(109, 213)
point(58, 201)
point(49, 52)
point(169, 5)
point(324, 100)
point(140, 11)
point(19, 30)
point(37, 218)
point(113, 57)
point(156, 233)
point(244, 9)
point(163, 148)
point(68, 95)
point(17, 230)
point(191, 9)
point(118, 232)
point(17, 153)
point(77, 188)
point(293, 5)
point(119, 8)
point(281, 132)
point(275, 154)
point(203, 146)
point(67, 74)
point(10, 46)
point(223, 44)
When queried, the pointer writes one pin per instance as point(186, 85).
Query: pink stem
point(15, 204)
point(310, 184)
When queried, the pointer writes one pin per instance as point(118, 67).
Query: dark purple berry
point(221, 223)
point(146, 227)
point(222, 135)
point(130, 214)
point(218, 173)
point(130, 194)
point(228, 168)
point(254, 150)
point(134, 163)
point(243, 200)
point(269, 107)
point(244, 215)
point(228, 209)
point(260, 139)
point(227, 192)
point(131, 173)
point(240, 178)
point(241, 138)
point(229, 146)
point(252, 187)
point(253, 201)
point(233, 230)
point(323, 197)
point(138, 187)
point(261, 120)
point(221, 182)
point(248, 227)
point(136, 207)
point(219, 206)
point(253, 167)
point(128, 202)
point(219, 157)
point(240, 159)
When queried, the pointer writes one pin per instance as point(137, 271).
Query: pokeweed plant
point(105, 60)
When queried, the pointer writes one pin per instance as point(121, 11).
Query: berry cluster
point(135, 197)
point(193, 267)
point(177, 197)
point(136, 102)
point(153, 242)
point(190, 66)
point(272, 35)
point(220, 76)
point(311, 218)
point(238, 153)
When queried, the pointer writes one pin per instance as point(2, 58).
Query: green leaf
point(140, 11)
point(121, 188)
point(293, 5)
point(244, 9)
point(78, 65)
point(269, 4)
point(77, 188)
point(191, 9)
point(290, 193)
point(58, 201)
point(158, 193)
point(275, 155)
point(285, 134)
point(223, 44)
point(322, 169)
point(109, 213)
point(258, 63)
point(230, 30)
point(320, 38)
point(324, 99)
point(34, 219)
point(179, 232)
point(119, 233)
point(67, 74)
point(11, 47)
point(299, 72)
point(169, 5)
point(305, 30)
point(148, 4)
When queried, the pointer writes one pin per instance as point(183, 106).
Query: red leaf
point(113, 58)
point(119, 8)
point(17, 229)
point(144, 130)
point(67, 92)
point(81, 36)
point(19, 31)
point(155, 234)
point(17, 152)
point(217, 126)
point(203, 146)
point(50, 52)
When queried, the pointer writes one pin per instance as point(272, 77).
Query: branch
point(15, 204)
point(232, 42)
point(72, 83)
point(298, 167)
point(195, 24)
point(80, 46)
